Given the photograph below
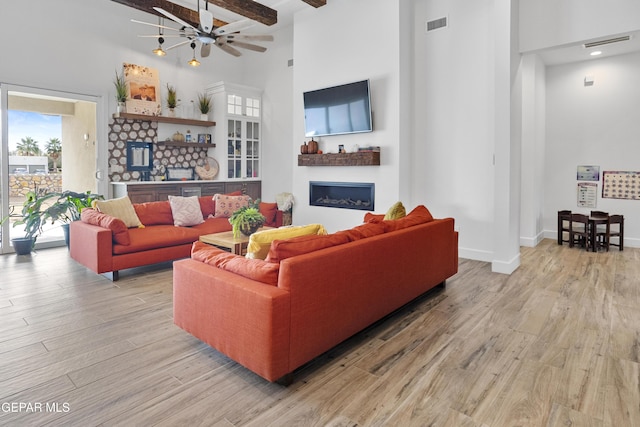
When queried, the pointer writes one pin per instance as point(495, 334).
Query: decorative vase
point(313, 147)
point(249, 229)
point(65, 231)
point(121, 108)
point(204, 117)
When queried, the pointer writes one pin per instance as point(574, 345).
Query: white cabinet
point(237, 110)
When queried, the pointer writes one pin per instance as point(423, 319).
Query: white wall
point(533, 150)
point(592, 125)
point(551, 23)
point(340, 43)
point(453, 119)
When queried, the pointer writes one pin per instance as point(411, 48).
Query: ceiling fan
point(226, 37)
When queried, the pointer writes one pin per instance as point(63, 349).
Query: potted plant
point(204, 105)
point(121, 94)
point(31, 217)
point(247, 220)
point(172, 100)
point(67, 208)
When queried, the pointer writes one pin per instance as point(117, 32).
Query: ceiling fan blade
point(157, 36)
point(179, 44)
point(250, 37)
point(249, 46)
point(174, 18)
point(205, 50)
point(230, 50)
point(154, 25)
point(233, 27)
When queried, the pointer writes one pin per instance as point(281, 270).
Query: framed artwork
point(588, 173)
point(143, 85)
point(621, 185)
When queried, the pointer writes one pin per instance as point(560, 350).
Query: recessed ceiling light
point(596, 53)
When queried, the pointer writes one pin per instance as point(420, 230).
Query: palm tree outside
point(53, 147)
point(28, 147)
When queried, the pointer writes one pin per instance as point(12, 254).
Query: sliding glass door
point(49, 144)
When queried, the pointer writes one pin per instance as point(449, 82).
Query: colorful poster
point(621, 185)
point(143, 84)
point(588, 173)
point(587, 194)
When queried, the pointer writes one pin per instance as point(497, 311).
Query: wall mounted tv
point(338, 110)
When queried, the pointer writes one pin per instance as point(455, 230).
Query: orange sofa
point(275, 315)
point(104, 244)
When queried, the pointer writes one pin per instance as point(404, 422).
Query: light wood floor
point(557, 343)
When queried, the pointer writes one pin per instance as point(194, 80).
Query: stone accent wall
point(123, 130)
point(19, 185)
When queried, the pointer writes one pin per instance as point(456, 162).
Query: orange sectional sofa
point(105, 245)
point(312, 292)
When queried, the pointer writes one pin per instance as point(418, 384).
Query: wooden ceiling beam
point(247, 8)
point(315, 3)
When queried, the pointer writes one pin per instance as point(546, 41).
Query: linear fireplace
point(345, 195)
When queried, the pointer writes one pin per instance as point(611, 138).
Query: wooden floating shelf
point(164, 119)
point(362, 158)
point(185, 144)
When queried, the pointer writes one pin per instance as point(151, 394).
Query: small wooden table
point(226, 240)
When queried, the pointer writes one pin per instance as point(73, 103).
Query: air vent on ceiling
point(607, 41)
point(436, 24)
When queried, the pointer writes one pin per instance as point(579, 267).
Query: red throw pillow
point(269, 210)
point(118, 228)
point(283, 249)
point(371, 217)
point(154, 213)
point(207, 206)
point(419, 215)
point(254, 269)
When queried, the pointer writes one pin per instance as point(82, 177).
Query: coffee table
point(226, 240)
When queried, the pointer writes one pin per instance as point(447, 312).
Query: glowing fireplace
point(345, 195)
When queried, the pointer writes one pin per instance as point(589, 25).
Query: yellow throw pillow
point(260, 242)
point(119, 208)
point(396, 211)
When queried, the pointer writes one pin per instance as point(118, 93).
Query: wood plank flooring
point(557, 343)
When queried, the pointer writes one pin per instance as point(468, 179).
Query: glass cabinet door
point(253, 149)
point(234, 149)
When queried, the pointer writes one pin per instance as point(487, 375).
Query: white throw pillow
point(185, 210)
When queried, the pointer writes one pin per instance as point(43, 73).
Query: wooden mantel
point(361, 158)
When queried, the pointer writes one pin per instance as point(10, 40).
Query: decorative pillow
point(371, 217)
point(283, 249)
point(419, 215)
point(269, 211)
point(226, 205)
point(186, 211)
point(119, 231)
point(396, 211)
point(207, 206)
point(154, 213)
point(255, 269)
point(260, 242)
point(119, 208)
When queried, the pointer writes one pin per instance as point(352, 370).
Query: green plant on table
point(247, 219)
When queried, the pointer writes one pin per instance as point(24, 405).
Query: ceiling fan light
point(194, 62)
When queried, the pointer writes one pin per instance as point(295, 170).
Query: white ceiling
point(576, 52)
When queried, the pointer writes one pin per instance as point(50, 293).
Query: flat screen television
point(338, 110)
